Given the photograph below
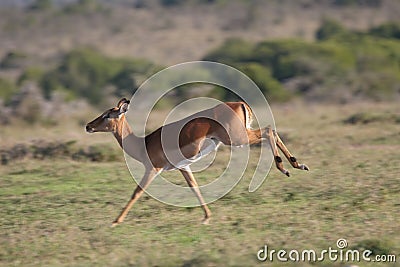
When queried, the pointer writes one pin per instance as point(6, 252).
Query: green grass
point(58, 213)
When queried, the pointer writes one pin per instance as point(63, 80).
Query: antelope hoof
point(304, 167)
point(286, 172)
point(205, 221)
point(115, 223)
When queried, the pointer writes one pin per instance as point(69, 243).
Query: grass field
point(58, 212)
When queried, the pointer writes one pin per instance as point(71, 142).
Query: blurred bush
point(83, 6)
point(42, 149)
point(28, 104)
point(32, 74)
point(87, 73)
point(99, 153)
point(262, 76)
point(232, 51)
point(329, 28)
point(340, 66)
point(41, 5)
point(13, 59)
point(7, 89)
point(169, 3)
point(387, 30)
point(372, 117)
point(377, 246)
point(371, 3)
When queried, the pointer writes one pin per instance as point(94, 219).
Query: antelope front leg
point(288, 155)
point(146, 180)
point(187, 173)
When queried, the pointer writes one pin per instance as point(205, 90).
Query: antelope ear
point(124, 107)
point(122, 101)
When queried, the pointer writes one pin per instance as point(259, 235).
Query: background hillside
point(57, 44)
point(173, 31)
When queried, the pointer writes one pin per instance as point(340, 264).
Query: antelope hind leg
point(288, 155)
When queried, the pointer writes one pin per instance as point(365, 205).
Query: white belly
point(207, 148)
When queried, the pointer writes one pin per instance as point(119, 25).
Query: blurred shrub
point(99, 153)
point(7, 89)
point(328, 29)
point(30, 112)
point(378, 247)
point(124, 82)
point(38, 149)
point(372, 117)
point(232, 51)
point(247, 58)
point(170, 3)
point(340, 66)
point(371, 3)
point(16, 152)
point(379, 86)
point(13, 59)
point(387, 30)
point(51, 150)
point(41, 149)
point(86, 72)
point(262, 76)
point(41, 5)
point(32, 74)
point(27, 104)
point(290, 58)
point(83, 6)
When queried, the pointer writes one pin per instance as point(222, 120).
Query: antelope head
point(110, 120)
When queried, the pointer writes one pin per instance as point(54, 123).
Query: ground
point(58, 212)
